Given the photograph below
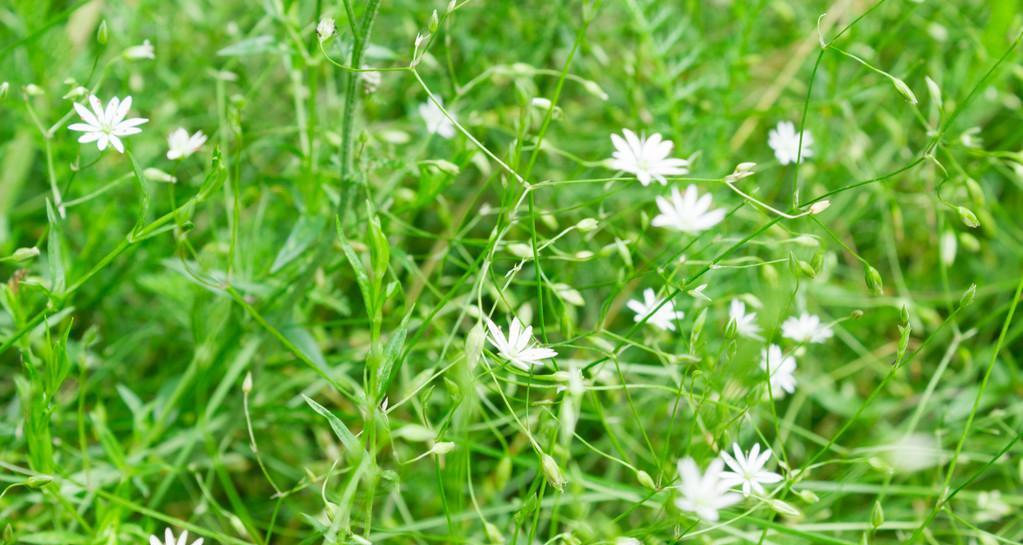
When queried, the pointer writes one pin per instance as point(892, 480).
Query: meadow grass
point(308, 323)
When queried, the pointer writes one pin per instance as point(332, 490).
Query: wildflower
point(703, 494)
point(748, 470)
point(784, 140)
point(169, 539)
point(143, 51)
point(325, 28)
point(646, 158)
point(806, 328)
point(745, 323)
point(370, 80)
point(991, 506)
point(106, 126)
point(780, 369)
point(436, 121)
point(662, 318)
point(181, 145)
point(742, 170)
point(518, 347)
point(689, 212)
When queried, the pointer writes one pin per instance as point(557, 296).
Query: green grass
point(287, 344)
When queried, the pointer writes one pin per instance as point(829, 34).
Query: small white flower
point(436, 121)
point(947, 247)
point(781, 370)
point(784, 140)
point(169, 539)
point(181, 145)
point(663, 318)
point(745, 323)
point(519, 347)
point(806, 328)
point(748, 470)
point(646, 158)
point(704, 494)
point(106, 126)
point(991, 507)
point(143, 51)
point(689, 212)
point(325, 28)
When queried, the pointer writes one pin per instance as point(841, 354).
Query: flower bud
point(247, 383)
point(493, 533)
point(586, 225)
point(933, 90)
point(968, 296)
point(808, 496)
point(138, 52)
point(877, 515)
point(552, 472)
point(102, 34)
point(24, 254)
point(644, 479)
point(520, 250)
point(442, 448)
point(38, 481)
point(434, 22)
point(874, 282)
point(968, 218)
point(784, 509)
point(904, 90)
point(819, 206)
point(4, 89)
point(158, 175)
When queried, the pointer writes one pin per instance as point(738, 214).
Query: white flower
point(806, 328)
point(169, 539)
point(181, 145)
point(519, 347)
point(646, 158)
point(780, 369)
point(325, 28)
point(106, 126)
point(703, 494)
point(991, 506)
point(142, 51)
point(436, 121)
point(370, 80)
point(748, 470)
point(663, 318)
point(745, 323)
point(784, 140)
point(689, 213)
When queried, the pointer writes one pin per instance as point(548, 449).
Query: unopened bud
point(158, 175)
point(552, 472)
point(784, 509)
point(4, 89)
point(904, 90)
point(968, 296)
point(247, 383)
point(587, 225)
point(493, 533)
point(520, 250)
point(102, 34)
point(819, 206)
point(877, 515)
point(24, 254)
point(808, 496)
point(968, 218)
point(644, 479)
point(874, 282)
point(434, 22)
point(38, 481)
point(442, 448)
point(934, 91)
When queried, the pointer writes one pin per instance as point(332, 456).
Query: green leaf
point(55, 252)
point(392, 356)
point(358, 268)
point(305, 231)
point(346, 436)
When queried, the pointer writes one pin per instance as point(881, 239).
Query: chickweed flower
point(745, 322)
point(806, 328)
point(784, 140)
point(748, 469)
point(780, 369)
point(182, 146)
point(662, 318)
point(436, 122)
point(106, 126)
point(703, 494)
point(169, 539)
point(519, 347)
point(646, 158)
point(689, 212)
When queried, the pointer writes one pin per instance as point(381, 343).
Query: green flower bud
point(874, 282)
point(968, 218)
point(102, 34)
